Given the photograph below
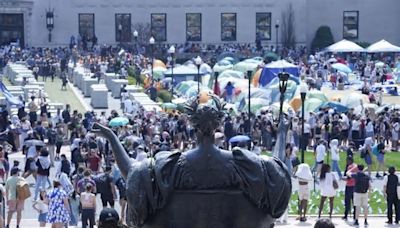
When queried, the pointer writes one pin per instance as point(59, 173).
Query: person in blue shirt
point(229, 89)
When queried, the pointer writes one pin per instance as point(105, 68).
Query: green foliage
point(164, 95)
point(323, 38)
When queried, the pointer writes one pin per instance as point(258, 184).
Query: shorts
point(360, 199)
point(304, 192)
point(105, 200)
point(380, 157)
point(42, 217)
point(15, 205)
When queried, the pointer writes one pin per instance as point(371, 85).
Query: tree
point(323, 38)
point(288, 28)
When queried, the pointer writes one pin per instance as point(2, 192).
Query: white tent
point(345, 46)
point(280, 64)
point(383, 46)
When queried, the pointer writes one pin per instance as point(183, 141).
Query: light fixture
point(198, 61)
point(171, 49)
point(135, 34)
point(152, 40)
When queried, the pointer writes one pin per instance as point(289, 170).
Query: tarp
point(345, 46)
point(271, 70)
point(11, 100)
point(382, 46)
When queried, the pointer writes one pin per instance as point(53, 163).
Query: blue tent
point(271, 70)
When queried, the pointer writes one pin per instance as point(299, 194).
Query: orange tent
point(159, 63)
point(256, 77)
point(295, 103)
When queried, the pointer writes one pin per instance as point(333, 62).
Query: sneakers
point(365, 223)
point(356, 223)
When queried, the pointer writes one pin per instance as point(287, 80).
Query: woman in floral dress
point(59, 209)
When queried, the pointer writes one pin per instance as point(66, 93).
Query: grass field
point(55, 93)
point(377, 204)
point(391, 159)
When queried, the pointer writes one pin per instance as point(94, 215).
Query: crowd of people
point(89, 170)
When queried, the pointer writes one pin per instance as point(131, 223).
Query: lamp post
point(198, 62)
point(249, 73)
point(303, 93)
point(50, 22)
point(277, 34)
point(151, 42)
point(135, 37)
point(283, 79)
point(171, 51)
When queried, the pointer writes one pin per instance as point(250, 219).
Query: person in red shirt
point(351, 167)
point(93, 161)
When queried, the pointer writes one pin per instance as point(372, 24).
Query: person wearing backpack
point(87, 179)
point(14, 204)
point(106, 188)
point(43, 171)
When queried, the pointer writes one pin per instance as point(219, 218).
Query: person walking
point(361, 187)
point(390, 184)
point(328, 185)
point(335, 157)
point(379, 151)
point(42, 208)
point(320, 155)
point(51, 143)
point(351, 167)
point(59, 209)
point(304, 176)
point(43, 171)
point(106, 188)
point(88, 202)
point(14, 204)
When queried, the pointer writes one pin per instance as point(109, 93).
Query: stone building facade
point(206, 21)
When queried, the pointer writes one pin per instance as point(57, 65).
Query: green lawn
point(391, 159)
point(377, 204)
point(55, 93)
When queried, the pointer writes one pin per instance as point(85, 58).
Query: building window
point(228, 26)
point(123, 27)
point(159, 26)
point(86, 25)
point(11, 28)
point(263, 26)
point(193, 26)
point(350, 24)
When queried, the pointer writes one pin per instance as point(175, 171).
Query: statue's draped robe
point(264, 181)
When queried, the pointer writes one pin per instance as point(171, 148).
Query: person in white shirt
point(328, 185)
point(335, 157)
point(42, 208)
point(320, 155)
point(141, 154)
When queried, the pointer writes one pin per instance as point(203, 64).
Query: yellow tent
point(159, 63)
point(295, 103)
point(256, 77)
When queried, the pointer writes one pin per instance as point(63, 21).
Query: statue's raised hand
point(101, 130)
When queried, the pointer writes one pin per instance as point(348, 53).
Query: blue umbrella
point(334, 105)
point(118, 122)
point(341, 67)
point(239, 138)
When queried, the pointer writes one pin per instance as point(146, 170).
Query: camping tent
point(271, 70)
point(382, 46)
point(345, 46)
point(183, 73)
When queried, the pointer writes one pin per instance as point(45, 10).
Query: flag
point(11, 100)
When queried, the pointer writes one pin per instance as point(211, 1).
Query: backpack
point(65, 167)
point(23, 191)
point(102, 183)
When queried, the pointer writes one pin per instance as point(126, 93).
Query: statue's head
point(205, 117)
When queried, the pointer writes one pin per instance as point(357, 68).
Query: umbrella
point(239, 138)
point(118, 122)
point(341, 67)
point(271, 56)
point(169, 106)
point(380, 64)
point(318, 95)
point(218, 135)
point(332, 60)
point(334, 105)
point(34, 142)
point(312, 104)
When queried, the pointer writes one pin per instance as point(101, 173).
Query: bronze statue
point(203, 187)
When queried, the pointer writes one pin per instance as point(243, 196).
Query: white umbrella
point(345, 46)
point(383, 46)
